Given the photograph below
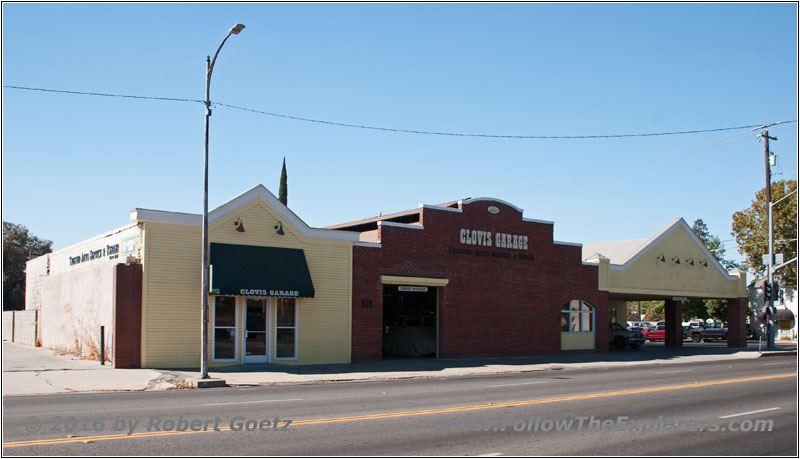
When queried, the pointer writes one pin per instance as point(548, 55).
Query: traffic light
point(767, 292)
point(776, 291)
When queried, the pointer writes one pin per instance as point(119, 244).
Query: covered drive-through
point(673, 265)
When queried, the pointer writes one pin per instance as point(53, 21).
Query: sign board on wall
point(411, 288)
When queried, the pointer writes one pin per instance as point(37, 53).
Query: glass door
point(255, 331)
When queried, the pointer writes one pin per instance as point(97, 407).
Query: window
point(224, 328)
point(286, 328)
point(577, 316)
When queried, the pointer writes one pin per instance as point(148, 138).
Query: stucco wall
point(8, 325)
point(25, 327)
point(73, 291)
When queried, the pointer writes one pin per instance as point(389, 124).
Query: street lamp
point(204, 295)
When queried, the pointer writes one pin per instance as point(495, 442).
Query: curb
point(777, 353)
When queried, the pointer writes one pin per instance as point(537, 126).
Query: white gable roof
point(257, 192)
point(623, 253)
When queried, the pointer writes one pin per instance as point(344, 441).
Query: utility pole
point(770, 271)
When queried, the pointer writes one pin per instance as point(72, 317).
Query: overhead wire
point(399, 130)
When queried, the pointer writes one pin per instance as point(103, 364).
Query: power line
point(779, 241)
point(81, 93)
point(404, 131)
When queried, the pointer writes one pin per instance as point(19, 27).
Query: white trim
point(266, 328)
point(576, 244)
point(533, 220)
point(593, 311)
point(93, 238)
point(161, 216)
point(236, 312)
point(374, 245)
point(296, 329)
point(471, 200)
point(400, 225)
point(234, 204)
point(448, 209)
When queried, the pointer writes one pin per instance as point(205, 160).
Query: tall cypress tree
point(283, 191)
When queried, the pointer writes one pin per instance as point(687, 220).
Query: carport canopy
point(673, 265)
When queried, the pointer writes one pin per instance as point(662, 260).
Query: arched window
point(577, 316)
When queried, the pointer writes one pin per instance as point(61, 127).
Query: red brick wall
point(737, 326)
point(127, 346)
point(492, 306)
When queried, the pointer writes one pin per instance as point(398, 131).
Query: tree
point(695, 309)
point(18, 247)
point(283, 189)
point(751, 231)
point(713, 244)
point(704, 309)
point(655, 311)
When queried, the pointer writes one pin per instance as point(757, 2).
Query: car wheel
point(696, 338)
point(619, 342)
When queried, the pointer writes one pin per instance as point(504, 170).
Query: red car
point(655, 334)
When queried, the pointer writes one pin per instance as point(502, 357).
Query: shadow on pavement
point(649, 351)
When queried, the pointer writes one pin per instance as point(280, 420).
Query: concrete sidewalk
point(28, 370)
point(34, 370)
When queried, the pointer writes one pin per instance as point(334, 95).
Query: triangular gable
point(235, 204)
point(678, 224)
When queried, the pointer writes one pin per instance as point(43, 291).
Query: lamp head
point(236, 29)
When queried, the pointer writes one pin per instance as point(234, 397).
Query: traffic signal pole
point(771, 262)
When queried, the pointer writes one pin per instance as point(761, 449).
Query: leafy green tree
point(19, 245)
point(713, 244)
point(655, 311)
point(283, 189)
point(704, 309)
point(750, 228)
point(694, 309)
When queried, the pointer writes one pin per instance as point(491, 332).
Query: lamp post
point(204, 295)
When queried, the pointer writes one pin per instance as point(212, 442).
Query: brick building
point(471, 278)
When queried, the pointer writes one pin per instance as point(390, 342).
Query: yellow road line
point(399, 414)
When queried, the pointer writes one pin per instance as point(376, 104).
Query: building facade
point(469, 278)
point(473, 278)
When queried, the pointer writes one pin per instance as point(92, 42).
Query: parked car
point(638, 325)
point(655, 333)
point(712, 331)
point(620, 337)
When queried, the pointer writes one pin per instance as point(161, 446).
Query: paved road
point(428, 416)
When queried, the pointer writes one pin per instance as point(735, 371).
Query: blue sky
point(74, 165)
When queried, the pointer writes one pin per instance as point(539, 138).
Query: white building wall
point(788, 300)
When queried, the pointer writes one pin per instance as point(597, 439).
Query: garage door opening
point(409, 321)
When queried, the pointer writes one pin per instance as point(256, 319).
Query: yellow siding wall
point(575, 341)
point(650, 276)
point(172, 289)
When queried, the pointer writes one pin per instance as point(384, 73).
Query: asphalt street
point(728, 407)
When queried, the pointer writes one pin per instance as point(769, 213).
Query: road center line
point(489, 455)
point(90, 439)
point(674, 371)
point(517, 384)
point(252, 401)
point(749, 412)
point(776, 363)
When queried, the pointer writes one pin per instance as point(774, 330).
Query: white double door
point(255, 345)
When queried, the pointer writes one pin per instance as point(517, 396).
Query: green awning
point(259, 271)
